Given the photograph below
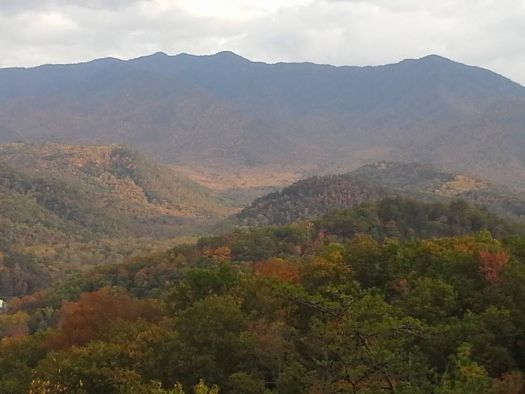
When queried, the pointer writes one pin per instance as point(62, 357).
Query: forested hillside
point(63, 207)
point(107, 190)
point(420, 180)
point(309, 198)
point(315, 196)
point(396, 296)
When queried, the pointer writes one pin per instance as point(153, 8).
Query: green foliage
point(468, 377)
point(68, 206)
point(319, 195)
point(409, 219)
point(306, 308)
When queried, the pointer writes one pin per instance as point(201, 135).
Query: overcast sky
point(488, 33)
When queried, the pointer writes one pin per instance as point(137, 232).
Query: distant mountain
point(222, 111)
point(316, 196)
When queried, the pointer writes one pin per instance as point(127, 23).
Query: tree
point(89, 318)
point(468, 377)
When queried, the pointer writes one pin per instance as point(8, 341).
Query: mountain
point(54, 192)
point(315, 196)
point(310, 198)
point(66, 207)
point(222, 112)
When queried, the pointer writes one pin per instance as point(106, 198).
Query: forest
point(262, 197)
point(393, 296)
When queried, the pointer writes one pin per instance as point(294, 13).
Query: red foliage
point(29, 303)
point(220, 254)
point(88, 319)
point(401, 286)
point(491, 264)
point(279, 269)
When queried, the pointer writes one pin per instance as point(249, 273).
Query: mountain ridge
point(315, 196)
point(223, 111)
point(432, 57)
point(103, 190)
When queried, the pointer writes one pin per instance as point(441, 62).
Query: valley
point(66, 208)
point(208, 224)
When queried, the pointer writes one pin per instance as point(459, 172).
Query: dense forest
point(67, 207)
point(392, 296)
point(317, 195)
point(339, 221)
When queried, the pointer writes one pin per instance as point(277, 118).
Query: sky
point(486, 33)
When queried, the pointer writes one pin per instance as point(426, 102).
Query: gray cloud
point(488, 33)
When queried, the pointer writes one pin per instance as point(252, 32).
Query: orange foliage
point(271, 340)
point(14, 325)
point(220, 254)
point(491, 264)
point(88, 319)
point(279, 269)
point(29, 303)
point(401, 286)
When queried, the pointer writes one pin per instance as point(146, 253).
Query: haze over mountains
point(226, 112)
point(404, 275)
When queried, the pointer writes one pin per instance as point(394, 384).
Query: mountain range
point(400, 275)
point(223, 112)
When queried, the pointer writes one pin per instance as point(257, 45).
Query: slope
point(316, 196)
point(53, 192)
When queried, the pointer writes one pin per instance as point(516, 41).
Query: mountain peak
point(226, 53)
point(435, 58)
point(431, 59)
point(229, 55)
point(159, 54)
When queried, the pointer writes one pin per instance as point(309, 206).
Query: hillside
point(87, 191)
point(316, 196)
point(66, 207)
point(424, 180)
point(310, 198)
point(211, 114)
point(330, 306)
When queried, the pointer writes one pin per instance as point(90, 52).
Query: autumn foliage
point(220, 254)
point(279, 269)
point(86, 319)
point(277, 310)
point(491, 264)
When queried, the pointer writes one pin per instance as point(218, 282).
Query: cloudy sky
point(488, 33)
